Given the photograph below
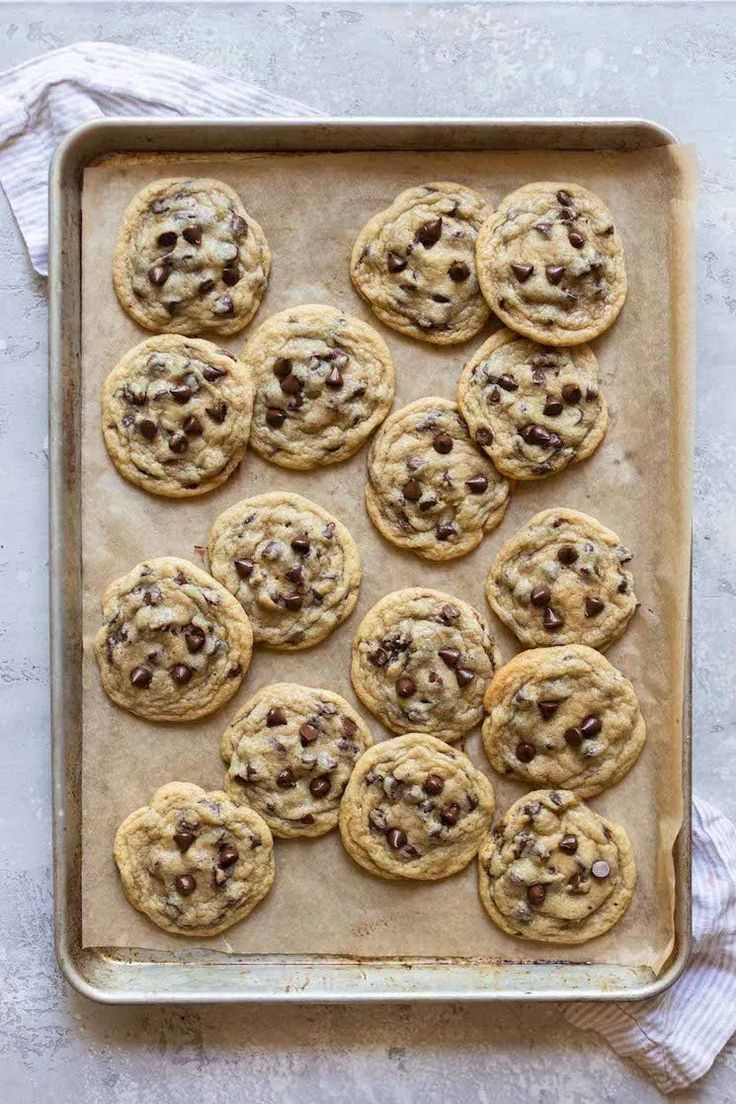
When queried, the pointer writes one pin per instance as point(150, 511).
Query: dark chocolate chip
point(450, 814)
point(217, 413)
point(320, 787)
point(159, 274)
point(536, 894)
point(184, 840)
point(576, 239)
point(571, 393)
point(464, 676)
point(536, 435)
point(334, 381)
point(396, 838)
point(282, 367)
point(286, 779)
point(226, 856)
point(194, 638)
point(213, 374)
point(429, 233)
point(293, 602)
point(192, 234)
point(541, 597)
point(181, 393)
point(600, 869)
point(412, 491)
point(275, 717)
point(548, 708)
point(525, 752)
point(591, 726)
point(405, 686)
point(555, 273)
point(308, 734)
point(573, 737)
point(300, 544)
point(395, 263)
point(244, 568)
point(544, 228)
point(594, 606)
point(239, 226)
point(445, 531)
point(181, 673)
point(568, 844)
point(477, 484)
point(295, 575)
point(231, 276)
point(553, 407)
point(433, 785)
point(564, 198)
point(148, 428)
point(275, 417)
point(185, 883)
point(291, 384)
point(349, 726)
point(442, 443)
point(192, 426)
point(458, 271)
point(167, 239)
point(379, 657)
point(494, 396)
point(552, 620)
point(522, 272)
point(204, 287)
point(508, 383)
point(449, 656)
point(484, 436)
point(567, 554)
point(141, 677)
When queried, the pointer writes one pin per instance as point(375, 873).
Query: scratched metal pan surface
point(137, 976)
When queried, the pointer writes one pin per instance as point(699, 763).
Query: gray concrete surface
point(674, 63)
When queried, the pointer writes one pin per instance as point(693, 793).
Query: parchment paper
point(638, 483)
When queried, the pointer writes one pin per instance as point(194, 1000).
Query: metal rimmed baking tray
point(130, 975)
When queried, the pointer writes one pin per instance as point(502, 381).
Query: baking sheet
point(638, 483)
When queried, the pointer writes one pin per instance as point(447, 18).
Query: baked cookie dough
point(194, 862)
point(563, 717)
point(421, 663)
point(555, 871)
point(415, 808)
point(551, 264)
point(176, 415)
point(190, 259)
point(532, 409)
point(414, 263)
point(323, 382)
point(290, 752)
point(293, 567)
point(174, 645)
point(431, 490)
point(562, 579)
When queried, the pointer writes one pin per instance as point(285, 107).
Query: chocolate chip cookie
point(190, 259)
point(293, 567)
point(194, 862)
point(531, 408)
point(176, 415)
point(551, 264)
point(431, 490)
point(290, 752)
point(415, 808)
point(562, 579)
point(323, 380)
point(174, 645)
point(563, 717)
point(414, 263)
point(555, 871)
point(421, 662)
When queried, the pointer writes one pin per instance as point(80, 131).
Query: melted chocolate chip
point(571, 393)
point(429, 233)
point(405, 686)
point(293, 602)
point(159, 274)
point(320, 787)
point(569, 844)
point(573, 737)
point(286, 779)
point(541, 597)
point(484, 436)
point(181, 393)
point(148, 428)
point(548, 708)
point(212, 374)
point(192, 234)
point(567, 554)
point(433, 785)
point(412, 491)
point(192, 426)
point(553, 407)
point(217, 413)
point(464, 676)
point(141, 677)
point(185, 883)
point(458, 271)
point(576, 239)
point(231, 277)
point(275, 717)
point(525, 752)
point(395, 263)
point(594, 606)
point(536, 894)
point(522, 272)
point(178, 443)
point(379, 657)
point(244, 568)
point(308, 734)
point(167, 239)
point(508, 383)
point(184, 840)
point(291, 384)
point(300, 544)
point(396, 838)
point(445, 531)
point(239, 226)
point(275, 417)
point(477, 484)
point(564, 198)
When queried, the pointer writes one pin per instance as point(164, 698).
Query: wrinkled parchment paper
point(638, 483)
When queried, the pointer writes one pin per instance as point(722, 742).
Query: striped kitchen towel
point(675, 1038)
point(47, 97)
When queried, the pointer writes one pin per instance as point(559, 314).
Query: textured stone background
point(675, 63)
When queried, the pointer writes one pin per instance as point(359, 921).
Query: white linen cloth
point(673, 1038)
point(44, 99)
